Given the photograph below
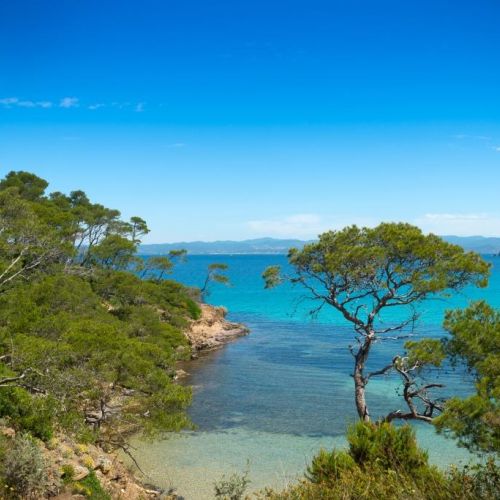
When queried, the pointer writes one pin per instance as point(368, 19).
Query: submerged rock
point(180, 373)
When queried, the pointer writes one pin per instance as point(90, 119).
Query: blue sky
point(224, 119)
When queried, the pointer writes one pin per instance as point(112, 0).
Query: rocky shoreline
point(212, 330)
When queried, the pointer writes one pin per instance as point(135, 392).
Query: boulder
point(104, 464)
point(80, 472)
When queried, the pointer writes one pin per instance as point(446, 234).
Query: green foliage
point(156, 267)
point(384, 462)
point(138, 228)
point(90, 487)
point(23, 469)
point(68, 473)
point(375, 484)
point(475, 340)
point(33, 414)
point(179, 254)
point(85, 344)
point(232, 487)
point(380, 445)
point(215, 274)
point(479, 480)
point(361, 272)
point(87, 349)
point(425, 352)
point(272, 276)
point(28, 244)
point(114, 252)
point(328, 466)
point(386, 446)
point(374, 260)
point(28, 185)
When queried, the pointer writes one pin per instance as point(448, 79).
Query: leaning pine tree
point(362, 272)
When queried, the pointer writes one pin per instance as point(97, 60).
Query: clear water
point(268, 401)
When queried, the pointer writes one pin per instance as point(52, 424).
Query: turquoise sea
point(267, 402)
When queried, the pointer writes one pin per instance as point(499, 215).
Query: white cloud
point(44, 104)
point(485, 140)
point(306, 226)
point(9, 102)
point(299, 225)
point(476, 137)
point(309, 226)
point(176, 145)
point(68, 102)
point(25, 104)
point(466, 224)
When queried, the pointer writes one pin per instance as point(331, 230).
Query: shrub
point(328, 466)
point(67, 473)
point(91, 488)
point(385, 445)
point(480, 481)
point(231, 488)
point(384, 462)
point(380, 445)
point(81, 449)
point(24, 468)
point(33, 414)
point(88, 462)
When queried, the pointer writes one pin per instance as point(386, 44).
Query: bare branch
point(382, 371)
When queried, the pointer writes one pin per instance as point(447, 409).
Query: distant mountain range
point(256, 246)
point(479, 244)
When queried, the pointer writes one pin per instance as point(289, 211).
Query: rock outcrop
point(212, 329)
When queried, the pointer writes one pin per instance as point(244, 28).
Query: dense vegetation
point(474, 339)
point(384, 462)
point(87, 347)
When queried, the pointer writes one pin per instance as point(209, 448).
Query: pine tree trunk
point(360, 381)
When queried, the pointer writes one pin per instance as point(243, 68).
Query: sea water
point(267, 402)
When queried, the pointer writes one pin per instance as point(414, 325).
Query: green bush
point(24, 472)
point(384, 462)
point(371, 445)
point(79, 329)
point(231, 488)
point(91, 488)
point(327, 466)
point(385, 445)
point(68, 473)
point(478, 481)
point(33, 414)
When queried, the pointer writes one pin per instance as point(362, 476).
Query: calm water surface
point(268, 401)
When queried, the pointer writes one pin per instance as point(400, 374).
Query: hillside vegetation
point(87, 347)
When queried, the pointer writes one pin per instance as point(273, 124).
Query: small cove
point(269, 401)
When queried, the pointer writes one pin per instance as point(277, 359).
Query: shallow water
point(268, 401)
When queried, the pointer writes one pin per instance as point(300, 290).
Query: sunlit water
point(267, 402)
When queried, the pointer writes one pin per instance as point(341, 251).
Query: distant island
point(480, 244)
